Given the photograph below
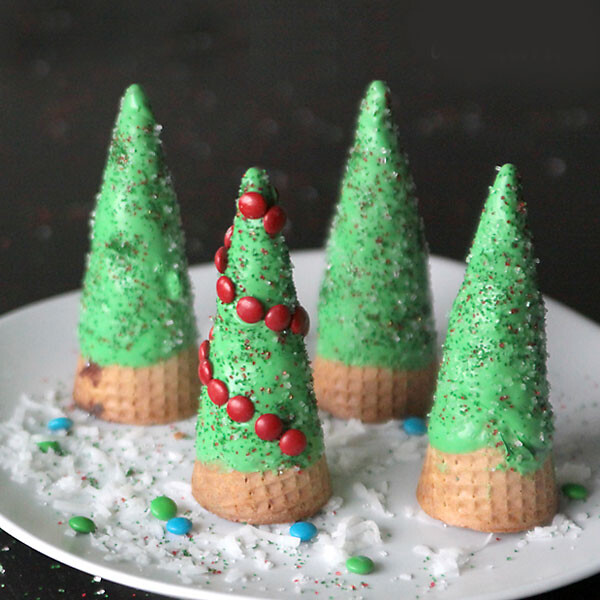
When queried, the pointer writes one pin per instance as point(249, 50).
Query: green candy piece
point(492, 390)
point(575, 491)
point(163, 508)
point(82, 525)
point(136, 306)
point(50, 445)
point(361, 565)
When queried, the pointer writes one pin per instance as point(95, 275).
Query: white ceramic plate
point(38, 349)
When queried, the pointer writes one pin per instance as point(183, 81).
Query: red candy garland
point(221, 259)
point(205, 372)
point(250, 309)
point(203, 350)
point(217, 391)
point(268, 427)
point(274, 220)
point(252, 205)
point(292, 442)
point(240, 409)
point(227, 239)
point(278, 317)
point(225, 289)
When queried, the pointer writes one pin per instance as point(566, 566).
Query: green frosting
point(269, 368)
point(492, 389)
point(136, 307)
point(375, 301)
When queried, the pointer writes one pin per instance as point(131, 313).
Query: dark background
point(277, 84)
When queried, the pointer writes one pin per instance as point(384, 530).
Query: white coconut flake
point(561, 527)
point(448, 562)
point(374, 499)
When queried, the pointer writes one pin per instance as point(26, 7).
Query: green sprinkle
point(163, 508)
point(50, 445)
point(82, 525)
point(575, 491)
point(361, 565)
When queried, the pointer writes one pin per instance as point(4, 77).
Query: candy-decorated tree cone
point(376, 357)
point(259, 449)
point(489, 463)
point(137, 332)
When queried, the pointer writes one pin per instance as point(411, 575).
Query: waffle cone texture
point(468, 490)
point(262, 498)
point(372, 394)
point(161, 393)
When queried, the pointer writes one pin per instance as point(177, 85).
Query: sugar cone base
point(467, 490)
point(161, 393)
point(262, 498)
point(372, 394)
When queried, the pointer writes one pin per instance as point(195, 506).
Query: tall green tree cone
point(376, 355)
point(259, 448)
point(137, 330)
point(489, 463)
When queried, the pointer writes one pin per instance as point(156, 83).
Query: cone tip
point(135, 99)
point(378, 91)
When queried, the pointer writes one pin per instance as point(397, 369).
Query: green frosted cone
point(375, 303)
point(492, 389)
point(268, 369)
point(136, 307)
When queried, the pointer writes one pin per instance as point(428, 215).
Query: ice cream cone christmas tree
point(259, 451)
point(137, 332)
point(489, 462)
point(376, 355)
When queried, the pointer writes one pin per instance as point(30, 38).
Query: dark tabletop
point(277, 84)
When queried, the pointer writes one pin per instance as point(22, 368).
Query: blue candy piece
point(303, 530)
point(60, 423)
point(415, 426)
point(179, 525)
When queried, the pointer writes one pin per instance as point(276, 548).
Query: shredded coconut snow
point(561, 527)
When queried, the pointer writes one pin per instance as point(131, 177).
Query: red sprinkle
point(252, 205)
point(221, 259)
point(240, 409)
point(225, 289)
point(227, 239)
point(203, 350)
point(250, 309)
point(211, 333)
point(278, 317)
point(268, 427)
point(300, 321)
point(205, 371)
point(217, 391)
point(292, 442)
point(274, 220)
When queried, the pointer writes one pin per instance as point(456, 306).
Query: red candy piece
point(217, 391)
point(228, 235)
point(211, 333)
point(252, 205)
point(300, 321)
point(240, 409)
point(225, 289)
point(203, 350)
point(274, 220)
point(292, 442)
point(249, 309)
point(268, 427)
point(221, 259)
point(278, 317)
point(205, 371)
